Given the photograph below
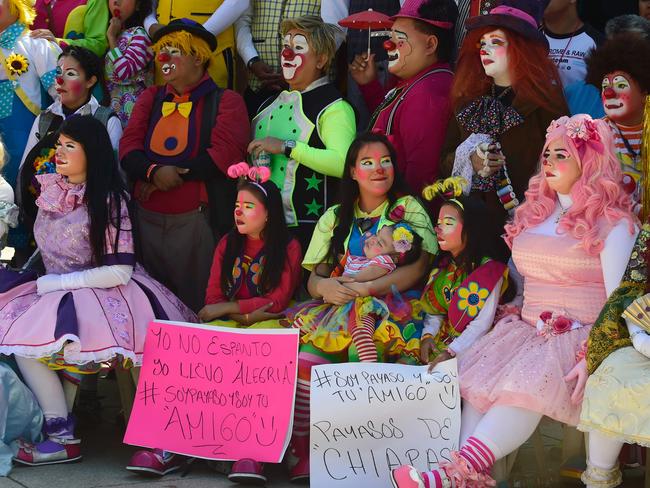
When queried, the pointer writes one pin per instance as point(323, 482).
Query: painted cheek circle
point(76, 86)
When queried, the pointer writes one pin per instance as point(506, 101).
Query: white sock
point(603, 450)
point(504, 429)
point(46, 386)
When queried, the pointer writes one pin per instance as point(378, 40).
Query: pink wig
point(598, 194)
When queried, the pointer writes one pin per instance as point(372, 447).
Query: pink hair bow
point(584, 134)
point(391, 138)
point(257, 174)
point(582, 130)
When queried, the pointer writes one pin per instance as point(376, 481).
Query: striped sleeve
point(134, 59)
point(383, 261)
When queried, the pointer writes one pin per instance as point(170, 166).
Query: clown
point(416, 112)
point(29, 69)
point(466, 283)
point(621, 68)
point(614, 410)
point(178, 145)
point(506, 91)
point(531, 364)
point(306, 130)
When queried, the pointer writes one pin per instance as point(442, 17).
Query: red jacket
point(280, 296)
point(419, 125)
point(228, 142)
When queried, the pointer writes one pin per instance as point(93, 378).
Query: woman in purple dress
point(94, 303)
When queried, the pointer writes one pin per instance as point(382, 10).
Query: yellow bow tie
point(169, 108)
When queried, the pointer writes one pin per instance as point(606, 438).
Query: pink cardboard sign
point(215, 392)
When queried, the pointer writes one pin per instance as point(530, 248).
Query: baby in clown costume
point(27, 73)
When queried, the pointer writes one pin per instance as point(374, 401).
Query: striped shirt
point(354, 264)
point(627, 146)
point(128, 70)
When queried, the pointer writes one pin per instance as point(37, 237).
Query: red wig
point(534, 76)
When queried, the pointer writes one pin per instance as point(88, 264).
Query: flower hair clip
point(255, 174)
point(582, 130)
point(402, 238)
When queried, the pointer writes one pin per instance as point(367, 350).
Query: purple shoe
point(247, 471)
point(155, 462)
point(60, 445)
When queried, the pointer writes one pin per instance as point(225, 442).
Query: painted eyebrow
point(401, 33)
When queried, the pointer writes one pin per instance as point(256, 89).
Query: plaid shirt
point(265, 27)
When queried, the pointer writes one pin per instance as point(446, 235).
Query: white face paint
point(169, 53)
point(494, 56)
point(622, 97)
point(292, 56)
point(399, 42)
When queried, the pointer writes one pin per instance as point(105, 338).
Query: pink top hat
point(521, 16)
point(410, 10)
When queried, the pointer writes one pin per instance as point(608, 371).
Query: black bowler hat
point(187, 25)
point(521, 16)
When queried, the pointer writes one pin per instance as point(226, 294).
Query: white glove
point(48, 283)
point(640, 339)
point(432, 324)
point(101, 277)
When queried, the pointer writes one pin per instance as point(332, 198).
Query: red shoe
point(155, 463)
point(51, 451)
point(60, 445)
point(247, 471)
point(299, 459)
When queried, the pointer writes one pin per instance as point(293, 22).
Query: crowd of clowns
point(466, 199)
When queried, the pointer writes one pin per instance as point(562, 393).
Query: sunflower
point(472, 298)
point(16, 64)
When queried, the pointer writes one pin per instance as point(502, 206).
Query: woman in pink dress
point(94, 303)
point(570, 241)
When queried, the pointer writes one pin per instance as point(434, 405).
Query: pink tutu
point(86, 325)
point(514, 366)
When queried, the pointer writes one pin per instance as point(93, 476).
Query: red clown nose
point(389, 45)
point(609, 92)
point(288, 54)
point(59, 80)
point(164, 57)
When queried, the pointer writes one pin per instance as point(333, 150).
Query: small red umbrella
point(367, 19)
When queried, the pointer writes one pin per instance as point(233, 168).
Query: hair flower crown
point(581, 130)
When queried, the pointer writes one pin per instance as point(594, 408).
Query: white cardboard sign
point(368, 418)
